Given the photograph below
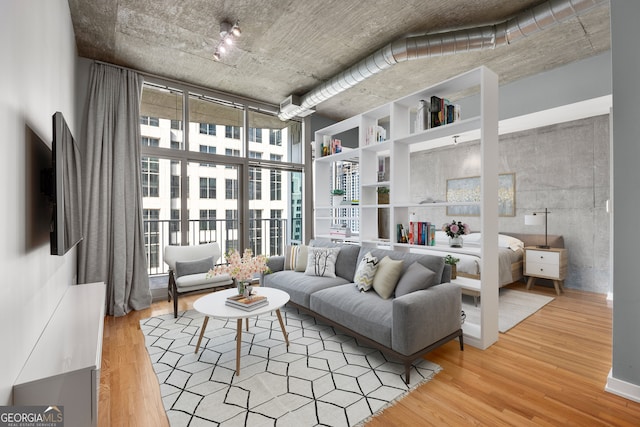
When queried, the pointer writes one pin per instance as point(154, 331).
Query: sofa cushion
point(362, 312)
point(322, 262)
point(432, 262)
point(366, 272)
point(347, 259)
point(193, 282)
point(417, 277)
point(299, 286)
point(386, 278)
point(295, 257)
point(184, 268)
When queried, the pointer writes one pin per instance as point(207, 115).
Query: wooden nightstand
point(547, 264)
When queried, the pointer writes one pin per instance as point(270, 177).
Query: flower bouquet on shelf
point(455, 230)
point(241, 268)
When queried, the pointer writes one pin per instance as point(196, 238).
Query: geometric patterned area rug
point(325, 378)
point(513, 307)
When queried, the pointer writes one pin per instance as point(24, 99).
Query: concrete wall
point(37, 78)
point(563, 167)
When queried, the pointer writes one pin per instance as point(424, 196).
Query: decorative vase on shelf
point(454, 271)
point(455, 242)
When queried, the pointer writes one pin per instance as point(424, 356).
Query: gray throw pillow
point(417, 277)
point(184, 268)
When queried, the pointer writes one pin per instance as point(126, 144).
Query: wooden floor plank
point(549, 370)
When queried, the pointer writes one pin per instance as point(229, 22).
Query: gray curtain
point(113, 247)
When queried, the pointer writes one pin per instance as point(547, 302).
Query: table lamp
point(537, 219)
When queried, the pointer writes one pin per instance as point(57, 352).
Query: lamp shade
point(533, 220)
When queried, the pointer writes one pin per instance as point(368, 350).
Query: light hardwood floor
point(551, 369)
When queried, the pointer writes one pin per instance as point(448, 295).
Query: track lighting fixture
point(228, 32)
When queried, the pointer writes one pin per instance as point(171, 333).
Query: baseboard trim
point(158, 294)
point(622, 388)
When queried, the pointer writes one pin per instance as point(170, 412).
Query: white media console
point(64, 366)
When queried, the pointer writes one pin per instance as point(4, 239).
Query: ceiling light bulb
point(222, 49)
point(236, 30)
point(216, 56)
point(228, 40)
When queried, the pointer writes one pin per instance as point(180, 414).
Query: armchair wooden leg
point(175, 305)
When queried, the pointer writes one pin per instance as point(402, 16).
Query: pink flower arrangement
point(455, 229)
point(241, 268)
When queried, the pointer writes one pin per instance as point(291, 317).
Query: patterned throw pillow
point(295, 258)
point(322, 262)
point(365, 272)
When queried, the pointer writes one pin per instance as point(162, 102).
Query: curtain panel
point(113, 247)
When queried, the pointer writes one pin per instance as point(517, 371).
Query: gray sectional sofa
point(405, 326)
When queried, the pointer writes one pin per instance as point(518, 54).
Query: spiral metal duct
point(525, 24)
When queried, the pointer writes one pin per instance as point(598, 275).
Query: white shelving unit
point(396, 119)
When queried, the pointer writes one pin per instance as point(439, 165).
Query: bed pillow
point(184, 268)
point(416, 278)
point(322, 262)
point(386, 278)
point(295, 258)
point(509, 242)
point(366, 272)
point(472, 239)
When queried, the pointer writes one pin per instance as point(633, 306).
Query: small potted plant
point(452, 261)
point(383, 195)
point(338, 196)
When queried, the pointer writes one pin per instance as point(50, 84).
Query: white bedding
point(510, 250)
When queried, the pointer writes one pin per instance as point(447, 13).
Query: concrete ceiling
point(290, 46)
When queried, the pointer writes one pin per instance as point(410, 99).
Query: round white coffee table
point(214, 305)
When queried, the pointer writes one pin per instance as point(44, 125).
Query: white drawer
point(544, 257)
point(542, 269)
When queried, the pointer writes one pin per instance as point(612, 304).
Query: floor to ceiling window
point(217, 170)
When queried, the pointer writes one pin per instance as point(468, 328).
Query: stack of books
point(247, 303)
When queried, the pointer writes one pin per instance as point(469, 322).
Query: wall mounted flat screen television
point(65, 188)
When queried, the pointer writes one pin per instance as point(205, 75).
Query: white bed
point(510, 255)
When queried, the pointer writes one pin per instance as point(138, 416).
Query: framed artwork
point(468, 190)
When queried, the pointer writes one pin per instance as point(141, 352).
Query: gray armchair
point(188, 267)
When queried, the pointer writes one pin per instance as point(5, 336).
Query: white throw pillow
point(386, 278)
point(322, 262)
point(366, 272)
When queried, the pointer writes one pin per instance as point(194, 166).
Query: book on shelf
point(432, 235)
point(442, 112)
point(247, 303)
point(375, 134)
point(330, 146)
point(401, 234)
point(340, 230)
point(422, 233)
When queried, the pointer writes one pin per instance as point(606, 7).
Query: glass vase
point(455, 242)
point(241, 287)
